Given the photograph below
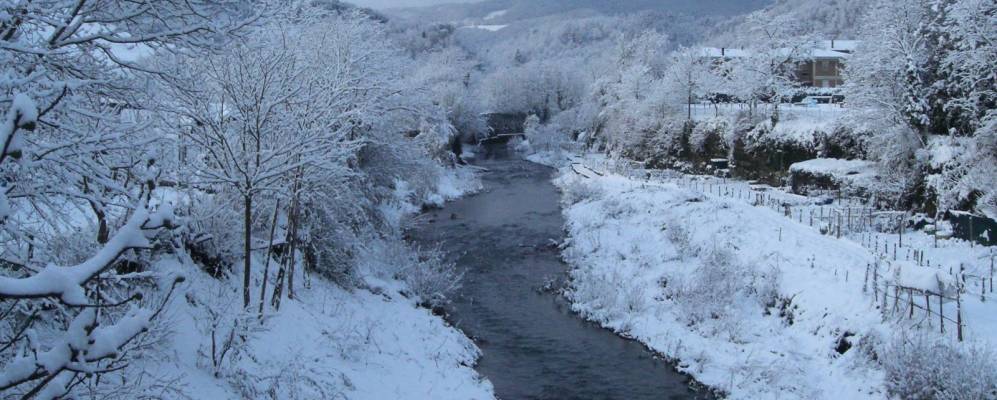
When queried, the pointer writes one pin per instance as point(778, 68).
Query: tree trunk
point(266, 262)
point(247, 220)
point(292, 249)
point(689, 104)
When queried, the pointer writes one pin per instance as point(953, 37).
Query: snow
point(857, 173)
point(490, 28)
point(495, 14)
point(330, 342)
point(66, 282)
point(925, 279)
point(716, 52)
point(839, 45)
point(639, 249)
point(22, 114)
point(371, 341)
point(945, 149)
point(833, 166)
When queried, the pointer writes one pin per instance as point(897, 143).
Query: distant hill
point(339, 7)
point(829, 19)
point(506, 11)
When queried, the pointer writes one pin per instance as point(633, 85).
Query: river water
point(533, 345)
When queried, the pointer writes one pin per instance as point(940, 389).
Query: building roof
point(839, 45)
point(718, 52)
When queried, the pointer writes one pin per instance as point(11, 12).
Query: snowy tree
point(767, 71)
point(925, 68)
point(688, 76)
point(75, 139)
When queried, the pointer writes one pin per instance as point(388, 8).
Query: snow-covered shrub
point(388, 160)
point(720, 285)
point(965, 178)
point(225, 327)
point(211, 231)
point(427, 275)
point(709, 135)
point(551, 137)
point(919, 365)
point(612, 295)
point(576, 189)
point(432, 278)
point(681, 238)
point(902, 167)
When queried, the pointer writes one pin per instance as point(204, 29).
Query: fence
point(848, 217)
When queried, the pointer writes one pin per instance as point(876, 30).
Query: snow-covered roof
point(821, 49)
point(717, 52)
point(491, 28)
point(824, 53)
point(840, 45)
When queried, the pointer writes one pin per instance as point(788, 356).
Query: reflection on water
point(533, 346)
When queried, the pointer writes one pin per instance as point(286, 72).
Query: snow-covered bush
point(211, 232)
point(551, 137)
point(431, 277)
point(427, 274)
point(613, 294)
point(575, 189)
point(920, 365)
point(709, 134)
point(721, 286)
point(681, 238)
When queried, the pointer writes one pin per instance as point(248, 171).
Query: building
point(822, 69)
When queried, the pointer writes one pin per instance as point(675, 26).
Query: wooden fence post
point(958, 312)
point(983, 289)
point(865, 282)
point(941, 314)
point(875, 280)
point(910, 299)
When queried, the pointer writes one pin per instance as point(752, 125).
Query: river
point(533, 345)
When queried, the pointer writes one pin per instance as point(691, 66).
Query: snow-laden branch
point(66, 283)
point(82, 344)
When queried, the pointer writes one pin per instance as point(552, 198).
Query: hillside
point(507, 11)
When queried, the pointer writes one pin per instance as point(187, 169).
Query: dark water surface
point(534, 346)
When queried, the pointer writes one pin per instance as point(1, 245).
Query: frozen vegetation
point(210, 198)
point(206, 199)
point(756, 304)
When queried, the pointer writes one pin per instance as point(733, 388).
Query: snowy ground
point(330, 343)
point(369, 342)
point(747, 300)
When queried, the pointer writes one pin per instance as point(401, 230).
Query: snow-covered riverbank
point(747, 301)
point(365, 340)
point(328, 343)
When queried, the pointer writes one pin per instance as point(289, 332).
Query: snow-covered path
point(533, 345)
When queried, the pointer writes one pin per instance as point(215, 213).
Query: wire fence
point(880, 231)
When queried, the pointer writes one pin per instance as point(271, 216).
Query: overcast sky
point(381, 4)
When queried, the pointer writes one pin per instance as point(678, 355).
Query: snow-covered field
point(748, 301)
